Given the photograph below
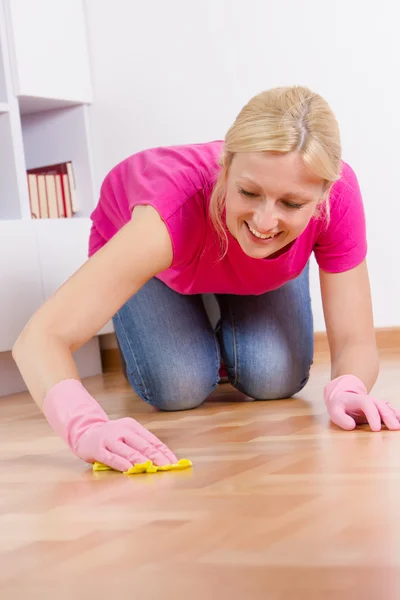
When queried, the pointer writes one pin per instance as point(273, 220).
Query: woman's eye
point(247, 194)
point(254, 195)
point(293, 205)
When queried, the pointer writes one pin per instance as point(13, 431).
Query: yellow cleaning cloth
point(147, 467)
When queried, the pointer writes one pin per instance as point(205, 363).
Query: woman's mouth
point(261, 237)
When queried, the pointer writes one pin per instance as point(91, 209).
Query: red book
point(65, 185)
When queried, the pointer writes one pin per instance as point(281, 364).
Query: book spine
point(55, 195)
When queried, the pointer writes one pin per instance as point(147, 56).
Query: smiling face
point(270, 200)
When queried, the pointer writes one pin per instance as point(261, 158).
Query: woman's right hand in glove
point(76, 417)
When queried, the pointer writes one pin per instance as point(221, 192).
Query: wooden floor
point(279, 504)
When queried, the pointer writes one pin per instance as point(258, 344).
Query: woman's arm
point(346, 299)
point(348, 314)
point(88, 299)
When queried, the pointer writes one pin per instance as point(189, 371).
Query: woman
point(238, 219)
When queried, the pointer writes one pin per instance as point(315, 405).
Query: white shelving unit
point(45, 93)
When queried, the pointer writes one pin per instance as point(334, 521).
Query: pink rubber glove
point(80, 421)
point(349, 404)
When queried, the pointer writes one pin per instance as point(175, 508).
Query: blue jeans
point(172, 353)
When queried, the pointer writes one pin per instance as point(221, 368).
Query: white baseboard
point(87, 359)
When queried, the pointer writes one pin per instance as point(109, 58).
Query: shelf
point(34, 269)
point(33, 104)
point(10, 207)
point(45, 93)
point(56, 238)
point(22, 292)
point(3, 91)
point(3, 58)
point(61, 135)
point(66, 238)
point(49, 50)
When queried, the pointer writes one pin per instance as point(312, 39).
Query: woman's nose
point(266, 220)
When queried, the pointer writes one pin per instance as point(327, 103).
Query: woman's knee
point(273, 380)
point(273, 388)
point(182, 389)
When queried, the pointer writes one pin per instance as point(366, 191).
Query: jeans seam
point(218, 361)
point(235, 361)
point(142, 383)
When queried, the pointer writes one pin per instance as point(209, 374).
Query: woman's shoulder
point(346, 186)
point(174, 180)
point(340, 242)
point(186, 167)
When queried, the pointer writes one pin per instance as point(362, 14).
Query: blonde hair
point(283, 119)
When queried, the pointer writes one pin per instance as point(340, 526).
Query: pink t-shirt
point(177, 181)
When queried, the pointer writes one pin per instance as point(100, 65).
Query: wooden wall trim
point(387, 338)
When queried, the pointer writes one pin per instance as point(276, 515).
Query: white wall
point(178, 71)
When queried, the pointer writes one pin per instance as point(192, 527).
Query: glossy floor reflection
point(279, 503)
